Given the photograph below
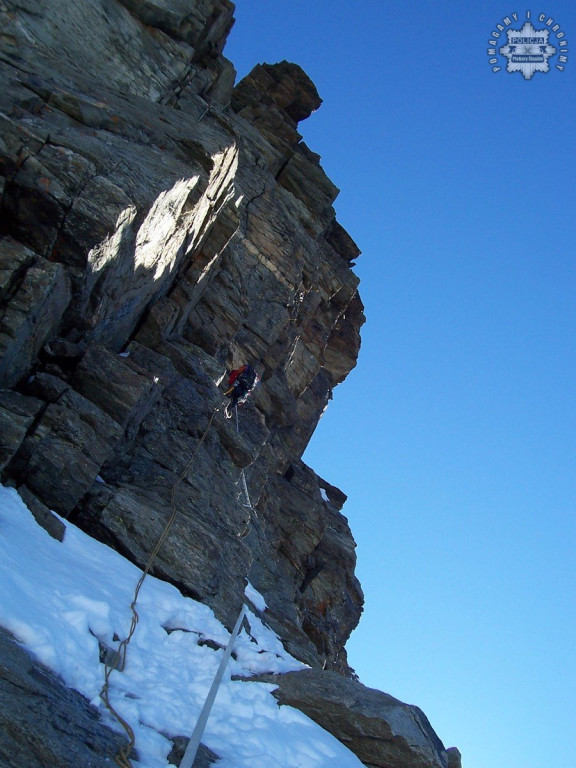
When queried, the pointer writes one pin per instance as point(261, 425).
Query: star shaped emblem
point(527, 50)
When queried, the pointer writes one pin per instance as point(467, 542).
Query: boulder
point(382, 731)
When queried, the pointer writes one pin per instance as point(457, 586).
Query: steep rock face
point(142, 215)
point(159, 226)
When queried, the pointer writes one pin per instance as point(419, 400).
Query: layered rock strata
point(158, 227)
point(153, 239)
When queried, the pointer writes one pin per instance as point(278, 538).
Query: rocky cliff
point(161, 225)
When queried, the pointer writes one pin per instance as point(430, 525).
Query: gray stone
point(14, 261)
point(42, 514)
point(47, 387)
point(204, 756)
point(454, 757)
point(60, 460)
point(17, 414)
point(43, 723)
point(117, 385)
point(36, 293)
point(381, 731)
point(206, 33)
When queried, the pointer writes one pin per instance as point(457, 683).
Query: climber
point(241, 382)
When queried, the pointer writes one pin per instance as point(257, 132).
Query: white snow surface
point(255, 598)
point(59, 599)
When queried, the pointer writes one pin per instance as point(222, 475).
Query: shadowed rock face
point(71, 734)
point(142, 215)
point(158, 227)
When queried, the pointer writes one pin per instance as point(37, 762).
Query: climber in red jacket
point(241, 382)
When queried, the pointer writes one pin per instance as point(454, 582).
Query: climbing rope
point(117, 662)
point(243, 475)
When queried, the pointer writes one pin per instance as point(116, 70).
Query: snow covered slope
point(64, 601)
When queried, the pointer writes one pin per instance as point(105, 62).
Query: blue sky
point(454, 438)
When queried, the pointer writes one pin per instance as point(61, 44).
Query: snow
point(60, 598)
point(255, 598)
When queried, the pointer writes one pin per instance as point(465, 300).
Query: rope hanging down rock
point(122, 758)
point(248, 503)
point(118, 660)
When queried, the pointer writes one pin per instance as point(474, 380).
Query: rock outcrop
point(160, 225)
point(71, 733)
point(382, 731)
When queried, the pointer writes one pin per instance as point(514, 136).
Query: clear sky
point(454, 438)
